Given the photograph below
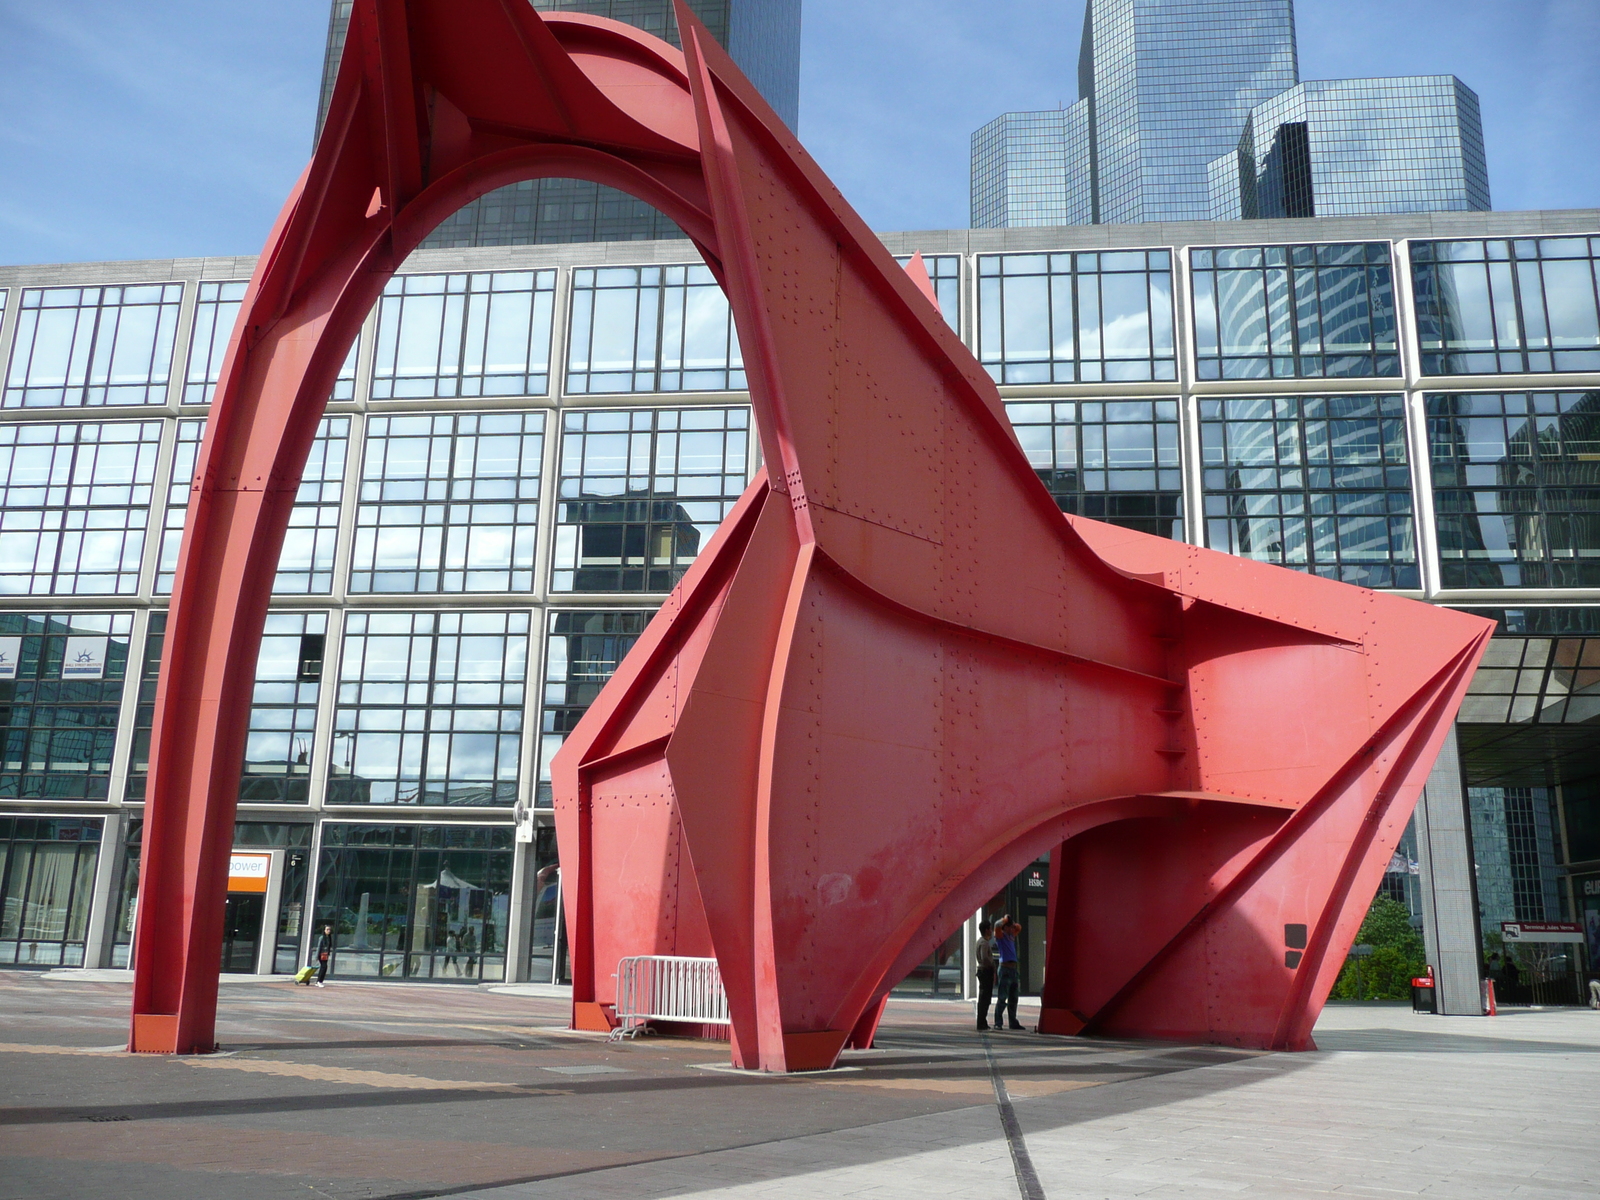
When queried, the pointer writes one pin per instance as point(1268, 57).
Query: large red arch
point(895, 676)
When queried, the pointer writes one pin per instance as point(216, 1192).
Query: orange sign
point(248, 872)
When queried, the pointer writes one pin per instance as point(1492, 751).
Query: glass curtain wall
point(582, 651)
point(305, 564)
point(484, 334)
point(74, 504)
point(216, 310)
point(1507, 306)
point(60, 690)
point(1294, 312)
point(416, 901)
point(430, 709)
point(651, 329)
point(641, 492)
point(1114, 460)
point(1317, 483)
point(449, 503)
point(47, 870)
point(283, 717)
point(1516, 488)
point(93, 346)
point(1070, 318)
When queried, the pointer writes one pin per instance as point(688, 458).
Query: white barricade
point(659, 987)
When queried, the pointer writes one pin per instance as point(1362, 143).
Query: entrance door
point(241, 932)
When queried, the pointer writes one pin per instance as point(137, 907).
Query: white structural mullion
point(1406, 343)
point(128, 707)
point(188, 302)
point(8, 331)
point(160, 492)
point(322, 747)
point(1188, 404)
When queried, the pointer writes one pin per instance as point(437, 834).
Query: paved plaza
point(393, 1091)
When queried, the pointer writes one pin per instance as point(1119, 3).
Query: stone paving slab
point(394, 1092)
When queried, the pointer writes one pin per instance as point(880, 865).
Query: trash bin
point(1422, 995)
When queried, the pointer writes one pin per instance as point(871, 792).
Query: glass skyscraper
point(1193, 110)
point(1346, 147)
point(763, 36)
point(1032, 168)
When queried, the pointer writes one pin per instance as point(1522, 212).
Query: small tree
point(1397, 956)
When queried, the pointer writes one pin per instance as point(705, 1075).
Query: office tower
point(763, 36)
point(1356, 146)
point(1032, 168)
point(1194, 110)
point(1169, 87)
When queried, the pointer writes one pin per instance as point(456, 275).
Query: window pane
point(74, 504)
point(484, 334)
point(642, 492)
point(1279, 314)
point(1318, 483)
point(93, 346)
point(305, 564)
point(449, 503)
point(430, 709)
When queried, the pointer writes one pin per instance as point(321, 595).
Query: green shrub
point(1397, 956)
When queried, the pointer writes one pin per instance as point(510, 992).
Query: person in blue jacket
point(1008, 981)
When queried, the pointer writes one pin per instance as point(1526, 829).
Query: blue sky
point(175, 127)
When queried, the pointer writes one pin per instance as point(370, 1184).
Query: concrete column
point(1449, 887)
point(519, 917)
point(107, 874)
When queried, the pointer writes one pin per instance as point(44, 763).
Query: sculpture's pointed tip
point(918, 270)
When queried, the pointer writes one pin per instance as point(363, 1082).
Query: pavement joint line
point(1028, 1185)
point(383, 1079)
point(744, 1073)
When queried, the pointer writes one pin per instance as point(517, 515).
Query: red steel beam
point(895, 676)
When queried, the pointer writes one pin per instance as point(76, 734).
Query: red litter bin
point(1423, 994)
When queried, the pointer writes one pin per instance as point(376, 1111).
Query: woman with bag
point(324, 953)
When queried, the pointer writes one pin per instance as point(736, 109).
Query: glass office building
point(1345, 147)
point(1195, 111)
point(530, 445)
point(1032, 168)
point(763, 36)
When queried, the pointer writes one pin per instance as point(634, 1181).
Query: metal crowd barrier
point(659, 987)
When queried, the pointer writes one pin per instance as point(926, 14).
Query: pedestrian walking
point(324, 953)
point(985, 972)
point(1008, 977)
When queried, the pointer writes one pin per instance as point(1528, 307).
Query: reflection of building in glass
point(1516, 481)
point(1526, 304)
point(1115, 461)
point(58, 721)
point(582, 651)
point(1289, 312)
point(1318, 483)
point(641, 492)
point(416, 901)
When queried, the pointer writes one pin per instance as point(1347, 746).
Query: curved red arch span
point(895, 676)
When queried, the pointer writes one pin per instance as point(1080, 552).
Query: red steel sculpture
point(897, 674)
